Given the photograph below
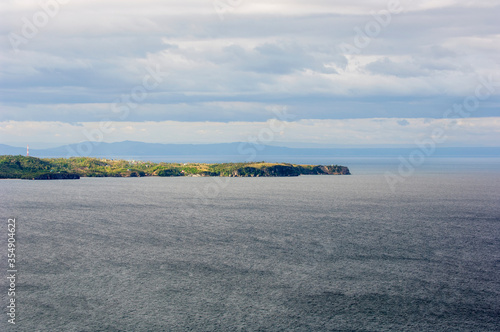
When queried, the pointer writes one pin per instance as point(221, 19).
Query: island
point(21, 167)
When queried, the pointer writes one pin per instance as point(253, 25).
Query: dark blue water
point(313, 253)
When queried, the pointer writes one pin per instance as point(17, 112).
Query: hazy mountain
point(10, 150)
point(130, 148)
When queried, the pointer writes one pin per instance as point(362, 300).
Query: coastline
point(32, 168)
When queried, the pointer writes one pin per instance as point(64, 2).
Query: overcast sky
point(334, 73)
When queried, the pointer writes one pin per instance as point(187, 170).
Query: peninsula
point(20, 167)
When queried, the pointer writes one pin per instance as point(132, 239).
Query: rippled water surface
point(312, 253)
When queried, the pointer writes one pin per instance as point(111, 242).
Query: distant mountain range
point(138, 149)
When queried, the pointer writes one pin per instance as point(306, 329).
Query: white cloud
point(385, 131)
point(231, 71)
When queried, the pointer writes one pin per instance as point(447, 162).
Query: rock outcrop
point(289, 170)
point(328, 170)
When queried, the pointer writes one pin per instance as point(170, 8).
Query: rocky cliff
point(290, 170)
point(57, 176)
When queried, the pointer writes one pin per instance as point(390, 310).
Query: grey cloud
point(93, 54)
point(411, 68)
point(276, 58)
point(439, 52)
point(386, 66)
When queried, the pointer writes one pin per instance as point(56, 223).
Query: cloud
point(260, 54)
point(379, 131)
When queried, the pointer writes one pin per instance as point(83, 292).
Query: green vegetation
point(20, 167)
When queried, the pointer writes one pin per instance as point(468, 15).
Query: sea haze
point(225, 152)
point(308, 253)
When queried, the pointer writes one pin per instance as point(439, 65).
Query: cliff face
point(330, 170)
point(57, 176)
point(290, 170)
point(277, 170)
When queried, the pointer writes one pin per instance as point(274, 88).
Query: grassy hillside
point(20, 167)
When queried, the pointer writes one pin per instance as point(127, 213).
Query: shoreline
point(32, 168)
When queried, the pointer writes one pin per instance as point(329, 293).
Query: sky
point(292, 73)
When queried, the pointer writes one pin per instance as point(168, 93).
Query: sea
point(388, 248)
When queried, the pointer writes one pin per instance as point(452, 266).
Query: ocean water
point(309, 253)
